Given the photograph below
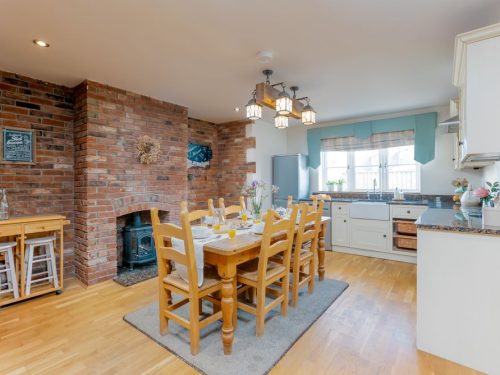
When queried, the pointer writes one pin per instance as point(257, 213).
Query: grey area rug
point(251, 354)
point(128, 277)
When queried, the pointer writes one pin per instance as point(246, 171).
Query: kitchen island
point(458, 288)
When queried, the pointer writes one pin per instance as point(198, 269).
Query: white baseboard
point(376, 254)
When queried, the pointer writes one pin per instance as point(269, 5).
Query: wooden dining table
point(226, 255)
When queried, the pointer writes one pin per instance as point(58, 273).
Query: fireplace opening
point(136, 252)
point(138, 243)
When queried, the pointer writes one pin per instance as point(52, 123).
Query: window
point(390, 168)
point(337, 162)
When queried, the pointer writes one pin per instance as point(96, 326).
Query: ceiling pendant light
point(308, 114)
point(268, 94)
point(280, 121)
point(284, 103)
point(254, 110)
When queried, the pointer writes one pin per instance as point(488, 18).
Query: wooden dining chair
point(258, 275)
point(304, 253)
point(194, 215)
point(170, 282)
point(232, 210)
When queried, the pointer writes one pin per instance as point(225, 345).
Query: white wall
point(435, 176)
point(491, 173)
point(269, 141)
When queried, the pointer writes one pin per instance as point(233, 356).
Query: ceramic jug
point(468, 198)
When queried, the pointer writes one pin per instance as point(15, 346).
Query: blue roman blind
point(423, 126)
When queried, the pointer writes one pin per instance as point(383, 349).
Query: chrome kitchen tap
point(369, 194)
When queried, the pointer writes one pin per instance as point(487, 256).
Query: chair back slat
point(162, 234)
point(171, 254)
point(289, 202)
point(309, 235)
point(231, 210)
point(270, 246)
point(308, 228)
point(193, 215)
point(277, 247)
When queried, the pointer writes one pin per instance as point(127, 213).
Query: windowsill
point(367, 191)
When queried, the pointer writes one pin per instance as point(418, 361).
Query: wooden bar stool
point(46, 255)
point(7, 250)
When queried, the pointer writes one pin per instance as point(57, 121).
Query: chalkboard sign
point(18, 145)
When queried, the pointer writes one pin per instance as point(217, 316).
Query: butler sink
point(369, 210)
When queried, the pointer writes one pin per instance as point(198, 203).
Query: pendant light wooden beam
point(266, 95)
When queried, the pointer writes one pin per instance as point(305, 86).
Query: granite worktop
point(456, 220)
point(415, 199)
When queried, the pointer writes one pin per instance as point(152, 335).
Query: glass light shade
point(284, 103)
point(308, 115)
point(254, 110)
point(280, 121)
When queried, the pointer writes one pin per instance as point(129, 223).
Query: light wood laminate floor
point(369, 330)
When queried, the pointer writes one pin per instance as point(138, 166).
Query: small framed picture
point(17, 146)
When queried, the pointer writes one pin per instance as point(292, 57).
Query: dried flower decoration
point(148, 149)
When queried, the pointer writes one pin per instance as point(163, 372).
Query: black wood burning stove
point(138, 243)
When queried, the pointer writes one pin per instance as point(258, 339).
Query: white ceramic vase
point(468, 199)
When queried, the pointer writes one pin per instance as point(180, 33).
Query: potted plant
point(330, 184)
point(340, 184)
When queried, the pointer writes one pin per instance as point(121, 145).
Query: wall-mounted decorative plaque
point(18, 145)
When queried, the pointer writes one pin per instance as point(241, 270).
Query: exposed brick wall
point(233, 166)
point(87, 170)
point(45, 187)
point(110, 181)
point(202, 182)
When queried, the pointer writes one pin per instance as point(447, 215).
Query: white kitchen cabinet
point(340, 209)
point(340, 230)
point(458, 155)
point(340, 224)
point(370, 234)
point(477, 74)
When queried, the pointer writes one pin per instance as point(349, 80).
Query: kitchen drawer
point(10, 230)
point(44, 226)
point(406, 211)
point(340, 209)
point(405, 227)
point(406, 242)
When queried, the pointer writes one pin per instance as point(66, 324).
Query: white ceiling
point(353, 58)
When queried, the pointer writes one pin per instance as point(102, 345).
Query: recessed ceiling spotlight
point(41, 43)
point(237, 109)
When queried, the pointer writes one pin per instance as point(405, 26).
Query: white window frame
point(383, 175)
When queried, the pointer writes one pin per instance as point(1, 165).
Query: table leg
point(235, 299)
point(321, 252)
point(228, 306)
